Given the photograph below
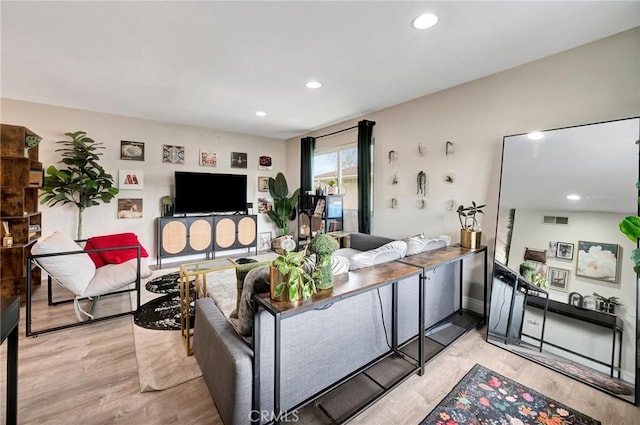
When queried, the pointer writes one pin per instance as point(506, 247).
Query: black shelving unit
point(319, 214)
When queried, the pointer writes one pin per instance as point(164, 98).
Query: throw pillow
point(417, 244)
point(73, 271)
point(115, 240)
point(241, 272)
point(388, 252)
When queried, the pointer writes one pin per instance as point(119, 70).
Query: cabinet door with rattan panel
point(247, 231)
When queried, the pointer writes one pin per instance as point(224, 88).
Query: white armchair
point(72, 267)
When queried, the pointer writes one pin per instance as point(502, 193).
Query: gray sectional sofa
point(318, 347)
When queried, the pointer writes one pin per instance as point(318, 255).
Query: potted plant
point(470, 232)
point(289, 279)
point(84, 182)
point(607, 304)
point(533, 274)
point(332, 187)
point(167, 206)
point(630, 227)
point(323, 246)
point(283, 211)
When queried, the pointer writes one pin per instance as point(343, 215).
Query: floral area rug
point(583, 373)
point(486, 397)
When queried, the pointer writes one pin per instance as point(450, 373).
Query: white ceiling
point(214, 64)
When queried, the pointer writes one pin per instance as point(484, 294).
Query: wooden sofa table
point(346, 285)
point(409, 357)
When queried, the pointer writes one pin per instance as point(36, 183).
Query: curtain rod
point(336, 132)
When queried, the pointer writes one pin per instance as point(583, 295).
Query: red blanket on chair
point(111, 241)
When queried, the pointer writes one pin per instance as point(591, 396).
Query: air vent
point(550, 219)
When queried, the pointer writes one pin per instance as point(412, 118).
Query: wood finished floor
point(88, 375)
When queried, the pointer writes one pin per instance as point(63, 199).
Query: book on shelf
point(319, 208)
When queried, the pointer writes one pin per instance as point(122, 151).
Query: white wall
point(52, 122)
point(596, 82)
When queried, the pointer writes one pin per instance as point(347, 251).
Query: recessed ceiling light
point(535, 135)
point(573, 197)
point(261, 114)
point(425, 21)
point(313, 84)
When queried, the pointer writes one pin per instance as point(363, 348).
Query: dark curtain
point(365, 136)
point(307, 146)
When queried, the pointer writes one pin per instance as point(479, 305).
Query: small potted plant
point(607, 304)
point(470, 232)
point(332, 187)
point(323, 246)
point(289, 279)
point(167, 206)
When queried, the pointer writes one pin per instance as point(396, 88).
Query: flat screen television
point(204, 193)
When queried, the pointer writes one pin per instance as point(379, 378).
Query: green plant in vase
point(323, 246)
point(167, 205)
point(83, 183)
point(630, 227)
point(294, 280)
point(607, 304)
point(284, 205)
point(470, 233)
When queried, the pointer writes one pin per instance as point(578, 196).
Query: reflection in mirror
point(564, 292)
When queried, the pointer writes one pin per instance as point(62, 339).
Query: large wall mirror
point(564, 293)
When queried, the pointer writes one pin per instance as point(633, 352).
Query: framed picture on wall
point(238, 160)
point(130, 179)
point(599, 261)
point(263, 184)
point(558, 279)
point(264, 243)
point(132, 151)
point(265, 205)
point(173, 154)
point(564, 251)
point(265, 163)
point(208, 159)
point(130, 208)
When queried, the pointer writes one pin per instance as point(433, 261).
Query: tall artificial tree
point(83, 182)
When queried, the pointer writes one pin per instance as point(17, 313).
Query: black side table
point(9, 318)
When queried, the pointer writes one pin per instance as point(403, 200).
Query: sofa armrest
point(226, 363)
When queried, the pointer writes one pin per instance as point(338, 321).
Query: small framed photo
point(130, 208)
point(238, 160)
point(264, 205)
point(208, 159)
point(588, 302)
point(173, 154)
point(131, 179)
point(265, 163)
point(131, 151)
point(264, 243)
point(553, 248)
point(558, 279)
point(564, 251)
point(263, 184)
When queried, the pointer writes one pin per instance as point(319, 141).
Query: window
point(341, 166)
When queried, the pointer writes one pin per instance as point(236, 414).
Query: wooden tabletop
point(440, 256)
point(344, 285)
